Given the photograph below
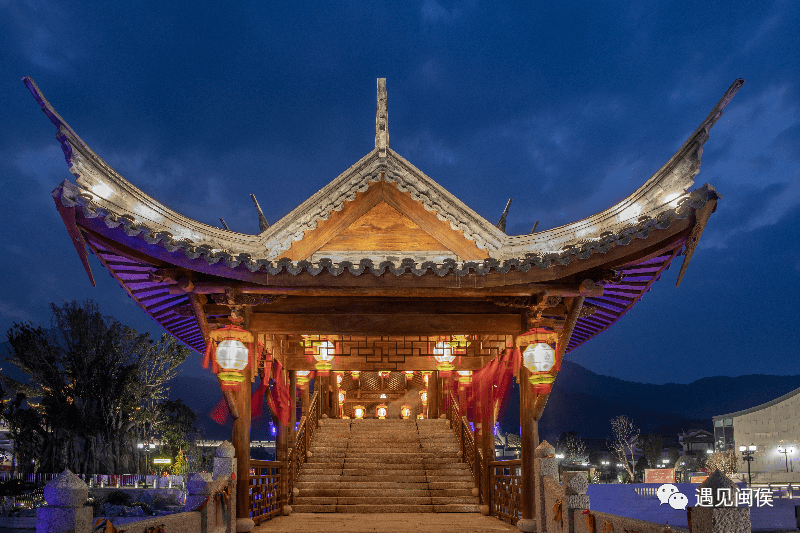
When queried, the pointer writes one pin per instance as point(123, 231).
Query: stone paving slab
point(388, 523)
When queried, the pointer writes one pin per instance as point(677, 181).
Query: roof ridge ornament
point(263, 225)
point(382, 120)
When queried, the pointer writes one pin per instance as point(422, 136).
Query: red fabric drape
point(279, 398)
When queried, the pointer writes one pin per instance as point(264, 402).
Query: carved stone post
point(66, 496)
point(226, 464)
point(545, 464)
point(720, 519)
point(575, 485)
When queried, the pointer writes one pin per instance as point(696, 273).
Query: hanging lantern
point(302, 378)
point(423, 397)
point(539, 357)
point(359, 411)
point(405, 412)
point(381, 411)
point(383, 374)
point(338, 378)
point(324, 355)
point(426, 375)
point(459, 344)
point(409, 375)
point(342, 397)
point(231, 355)
point(464, 377)
point(354, 374)
point(443, 353)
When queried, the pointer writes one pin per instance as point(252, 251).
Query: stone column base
point(721, 519)
point(243, 525)
point(527, 525)
point(63, 519)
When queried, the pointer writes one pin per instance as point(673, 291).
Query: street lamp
point(747, 455)
point(786, 451)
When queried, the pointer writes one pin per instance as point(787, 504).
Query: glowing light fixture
point(409, 375)
point(539, 358)
point(231, 355)
point(359, 411)
point(381, 411)
point(405, 412)
point(338, 378)
point(302, 378)
point(325, 355)
point(355, 373)
point(443, 353)
point(464, 376)
point(423, 397)
point(342, 397)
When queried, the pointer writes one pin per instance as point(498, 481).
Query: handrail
point(265, 493)
point(505, 489)
point(298, 454)
point(466, 440)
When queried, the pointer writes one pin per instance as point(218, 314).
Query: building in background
point(774, 428)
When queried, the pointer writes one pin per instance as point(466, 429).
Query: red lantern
point(233, 351)
point(539, 357)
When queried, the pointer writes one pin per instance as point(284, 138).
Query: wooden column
point(335, 396)
point(241, 444)
point(433, 395)
point(293, 407)
point(487, 440)
point(529, 441)
point(304, 399)
point(281, 442)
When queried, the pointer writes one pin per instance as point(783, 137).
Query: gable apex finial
point(382, 120)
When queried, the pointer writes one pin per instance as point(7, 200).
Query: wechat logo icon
point(669, 494)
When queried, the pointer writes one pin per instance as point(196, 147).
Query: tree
point(726, 462)
point(673, 454)
point(177, 430)
point(651, 445)
point(573, 448)
point(641, 464)
point(97, 382)
point(623, 442)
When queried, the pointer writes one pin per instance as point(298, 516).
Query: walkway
point(385, 523)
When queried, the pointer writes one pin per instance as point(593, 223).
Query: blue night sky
point(565, 106)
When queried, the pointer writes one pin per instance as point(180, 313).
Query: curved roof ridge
point(761, 407)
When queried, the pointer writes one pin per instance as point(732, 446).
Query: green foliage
point(651, 444)
point(118, 497)
point(95, 382)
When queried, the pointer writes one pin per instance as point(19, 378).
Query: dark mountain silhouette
point(583, 401)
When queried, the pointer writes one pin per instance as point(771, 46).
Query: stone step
point(384, 472)
point(456, 508)
point(306, 508)
point(356, 493)
point(396, 479)
point(450, 485)
point(378, 508)
point(382, 486)
point(316, 500)
point(384, 500)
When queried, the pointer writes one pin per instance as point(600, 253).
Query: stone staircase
point(385, 466)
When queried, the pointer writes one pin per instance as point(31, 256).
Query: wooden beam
point(362, 364)
point(385, 324)
point(468, 290)
point(529, 440)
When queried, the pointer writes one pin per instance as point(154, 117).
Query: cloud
point(43, 28)
point(433, 13)
point(10, 311)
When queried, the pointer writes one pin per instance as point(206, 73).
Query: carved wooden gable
point(381, 222)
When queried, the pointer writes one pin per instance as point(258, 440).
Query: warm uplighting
point(381, 411)
point(539, 358)
point(342, 396)
point(426, 374)
point(459, 344)
point(302, 378)
point(409, 375)
point(405, 412)
point(464, 376)
point(324, 355)
point(355, 373)
point(421, 416)
point(443, 353)
point(338, 378)
point(358, 412)
point(383, 374)
point(232, 357)
point(423, 397)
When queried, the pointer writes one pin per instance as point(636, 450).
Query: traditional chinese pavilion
point(384, 264)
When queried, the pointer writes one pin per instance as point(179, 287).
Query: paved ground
point(384, 523)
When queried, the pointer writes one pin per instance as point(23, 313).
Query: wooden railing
point(470, 453)
point(505, 488)
point(272, 482)
point(265, 489)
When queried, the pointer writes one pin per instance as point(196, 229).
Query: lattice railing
point(466, 439)
point(265, 489)
point(305, 432)
point(505, 489)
